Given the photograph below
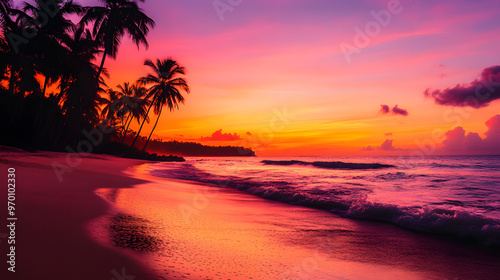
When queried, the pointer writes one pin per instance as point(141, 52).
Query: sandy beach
point(52, 237)
point(110, 219)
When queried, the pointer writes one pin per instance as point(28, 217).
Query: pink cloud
point(219, 136)
point(385, 146)
point(458, 141)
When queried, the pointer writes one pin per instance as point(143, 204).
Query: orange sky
point(257, 58)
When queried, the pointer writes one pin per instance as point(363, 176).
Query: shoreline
point(52, 235)
point(228, 229)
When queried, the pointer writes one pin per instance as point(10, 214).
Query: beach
point(52, 235)
point(111, 217)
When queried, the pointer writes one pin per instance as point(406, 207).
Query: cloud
point(385, 109)
point(386, 146)
point(219, 136)
point(455, 139)
point(493, 125)
point(398, 111)
point(248, 133)
point(388, 134)
point(479, 93)
point(458, 141)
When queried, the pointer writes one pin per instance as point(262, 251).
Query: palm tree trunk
point(45, 86)
point(125, 126)
point(62, 84)
point(128, 122)
point(140, 128)
point(102, 65)
point(144, 148)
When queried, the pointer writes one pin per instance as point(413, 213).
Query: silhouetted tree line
point(52, 92)
point(181, 148)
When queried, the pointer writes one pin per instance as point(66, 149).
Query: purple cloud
point(399, 111)
point(385, 109)
point(479, 93)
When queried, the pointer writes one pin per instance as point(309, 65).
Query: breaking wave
point(352, 203)
point(329, 164)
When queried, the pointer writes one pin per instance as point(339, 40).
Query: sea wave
point(353, 203)
point(329, 164)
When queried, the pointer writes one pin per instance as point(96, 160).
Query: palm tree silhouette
point(165, 88)
point(112, 105)
point(61, 53)
point(15, 60)
point(79, 88)
point(47, 46)
point(111, 22)
point(137, 110)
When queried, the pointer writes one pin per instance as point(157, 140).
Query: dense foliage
point(52, 69)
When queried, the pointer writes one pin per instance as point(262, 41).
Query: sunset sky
point(248, 62)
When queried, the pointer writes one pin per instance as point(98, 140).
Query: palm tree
point(79, 88)
point(13, 59)
point(111, 22)
point(110, 109)
point(165, 89)
point(138, 109)
point(63, 54)
point(124, 105)
point(46, 47)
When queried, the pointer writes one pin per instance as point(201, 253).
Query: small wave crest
point(329, 164)
point(457, 223)
point(353, 203)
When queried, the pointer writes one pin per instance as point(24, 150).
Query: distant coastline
point(193, 149)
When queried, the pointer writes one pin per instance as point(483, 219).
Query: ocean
point(310, 218)
point(457, 196)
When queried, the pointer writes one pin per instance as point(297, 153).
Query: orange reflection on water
point(227, 234)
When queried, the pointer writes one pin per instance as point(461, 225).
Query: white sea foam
point(458, 196)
